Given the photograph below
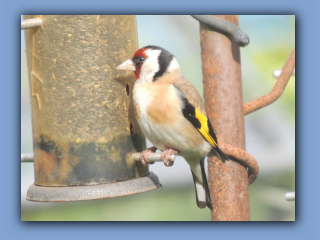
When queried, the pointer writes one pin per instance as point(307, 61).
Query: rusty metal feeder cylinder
point(84, 131)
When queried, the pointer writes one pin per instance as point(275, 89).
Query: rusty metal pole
point(224, 105)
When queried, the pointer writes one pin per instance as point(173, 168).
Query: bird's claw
point(168, 156)
point(145, 154)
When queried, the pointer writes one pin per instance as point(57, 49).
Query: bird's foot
point(168, 156)
point(145, 154)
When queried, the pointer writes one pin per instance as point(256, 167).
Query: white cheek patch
point(150, 66)
point(174, 65)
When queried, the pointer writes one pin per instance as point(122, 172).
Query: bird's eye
point(138, 60)
point(141, 59)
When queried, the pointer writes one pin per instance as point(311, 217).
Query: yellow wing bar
point(204, 129)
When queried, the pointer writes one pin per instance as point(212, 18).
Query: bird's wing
point(193, 111)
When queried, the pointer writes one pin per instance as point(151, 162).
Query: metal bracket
point(225, 27)
point(276, 73)
point(290, 196)
point(31, 23)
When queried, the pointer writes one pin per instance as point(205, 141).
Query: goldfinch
point(171, 114)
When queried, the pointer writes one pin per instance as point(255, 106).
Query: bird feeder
point(84, 130)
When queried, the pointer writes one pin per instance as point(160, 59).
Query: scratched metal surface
point(81, 106)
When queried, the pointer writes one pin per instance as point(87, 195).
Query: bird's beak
point(127, 65)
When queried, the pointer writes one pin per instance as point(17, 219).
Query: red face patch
point(139, 53)
point(137, 72)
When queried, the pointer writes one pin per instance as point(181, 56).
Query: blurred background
point(270, 132)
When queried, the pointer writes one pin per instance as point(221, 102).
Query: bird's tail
point(223, 157)
point(202, 189)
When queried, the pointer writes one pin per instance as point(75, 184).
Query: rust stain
point(45, 165)
point(64, 168)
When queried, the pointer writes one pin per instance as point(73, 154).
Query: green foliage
point(265, 61)
point(267, 197)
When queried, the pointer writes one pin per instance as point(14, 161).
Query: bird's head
point(150, 62)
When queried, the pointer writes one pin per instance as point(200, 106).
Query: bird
point(171, 114)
